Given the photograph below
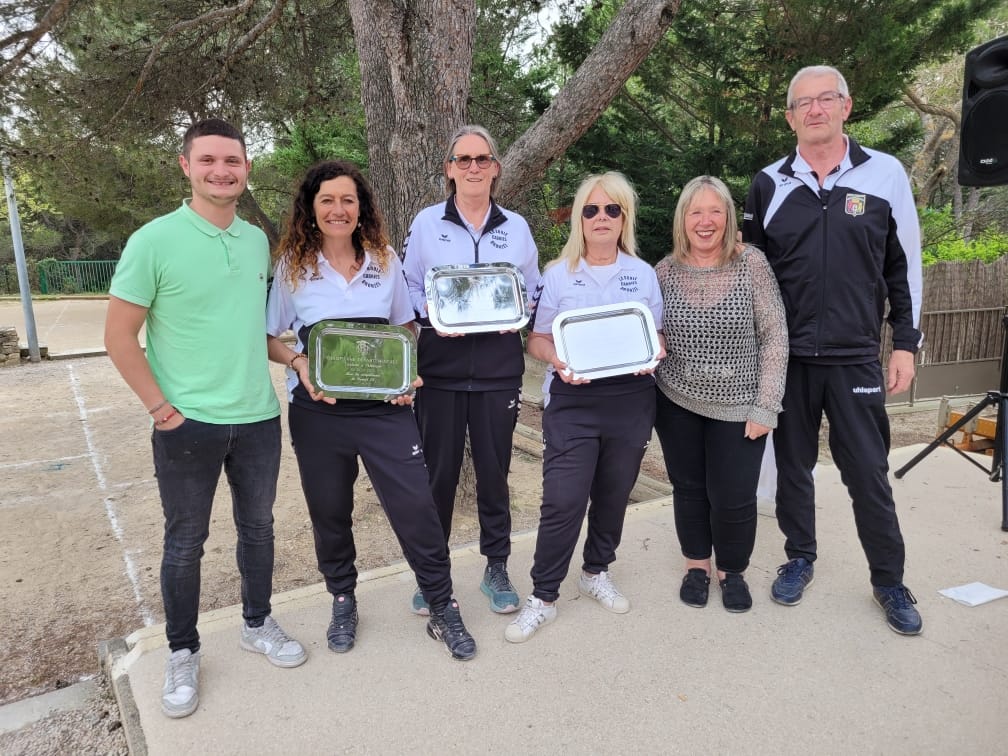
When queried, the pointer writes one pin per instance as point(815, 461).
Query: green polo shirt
point(205, 290)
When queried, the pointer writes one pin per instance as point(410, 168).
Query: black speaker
point(983, 143)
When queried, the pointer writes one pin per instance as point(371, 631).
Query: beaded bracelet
point(167, 417)
point(299, 354)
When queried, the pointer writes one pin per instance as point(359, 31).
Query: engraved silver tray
point(478, 298)
point(605, 340)
point(361, 360)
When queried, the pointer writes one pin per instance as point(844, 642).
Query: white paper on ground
point(973, 594)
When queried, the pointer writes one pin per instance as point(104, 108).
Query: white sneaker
point(601, 588)
point(280, 649)
point(180, 694)
point(533, 615)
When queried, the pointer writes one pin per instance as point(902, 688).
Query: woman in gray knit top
point(719, 388)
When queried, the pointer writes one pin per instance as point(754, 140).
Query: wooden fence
point(964, 306)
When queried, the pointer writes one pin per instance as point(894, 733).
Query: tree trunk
point(415, 61)
point(637, 28)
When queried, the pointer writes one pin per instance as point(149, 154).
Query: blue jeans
point(188, 462)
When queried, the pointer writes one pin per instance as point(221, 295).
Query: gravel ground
point(90, 730)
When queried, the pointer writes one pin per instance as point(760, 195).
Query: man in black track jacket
point(838, 224)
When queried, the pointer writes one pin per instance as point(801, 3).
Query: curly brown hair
point(302, 241)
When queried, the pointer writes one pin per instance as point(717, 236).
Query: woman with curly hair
point(334, 262)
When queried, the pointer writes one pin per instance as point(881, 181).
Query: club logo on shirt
point(498, 239)
point(372, 276)
point(855, 205)
point(628, 282)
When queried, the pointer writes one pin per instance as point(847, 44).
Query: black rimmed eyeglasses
point(464, 161)
point(590, 211)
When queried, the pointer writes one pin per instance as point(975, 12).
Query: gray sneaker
point(280, 649)
point(180, 694)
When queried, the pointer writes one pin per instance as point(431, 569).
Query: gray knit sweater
point(726, 339)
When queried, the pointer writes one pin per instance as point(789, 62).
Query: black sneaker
point(735, 593)
point(342, 630)
point(695, 588)
point(445, 624)
point(792, 580)
point(897, 603)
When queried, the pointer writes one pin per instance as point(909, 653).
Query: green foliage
point(710, 98)
point(941, 241)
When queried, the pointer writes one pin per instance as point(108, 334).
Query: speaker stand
point(997, 399)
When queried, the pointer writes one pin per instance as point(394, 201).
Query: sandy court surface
point(80, 517)
point(81, 523)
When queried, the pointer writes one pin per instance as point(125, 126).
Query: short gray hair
point(841, 82)
point(460, 132)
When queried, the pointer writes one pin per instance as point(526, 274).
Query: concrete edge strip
point(110, 652)
point(19, 714)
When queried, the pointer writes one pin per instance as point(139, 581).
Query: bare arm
point(123, 321)
point(277, 351)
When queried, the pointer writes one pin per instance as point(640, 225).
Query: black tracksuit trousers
point(326, 446)
point(853, 398)
point(593, 447)
point(490, 417)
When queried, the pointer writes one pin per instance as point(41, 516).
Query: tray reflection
point(349, 360)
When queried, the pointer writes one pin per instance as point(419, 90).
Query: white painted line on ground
point(110, 512)
point(34, 462)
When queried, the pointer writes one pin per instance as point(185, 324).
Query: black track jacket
point(840, 252)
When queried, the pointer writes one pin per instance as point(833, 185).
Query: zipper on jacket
point(824, 199)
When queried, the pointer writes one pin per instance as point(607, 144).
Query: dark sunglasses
point(590, 211)
point(464, 161)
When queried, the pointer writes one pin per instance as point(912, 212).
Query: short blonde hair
point(616, 185)
point(680, 242)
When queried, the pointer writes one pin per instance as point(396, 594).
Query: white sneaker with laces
point(280, 649)
point(601, 588)
point(180, 694)
point(533, 615)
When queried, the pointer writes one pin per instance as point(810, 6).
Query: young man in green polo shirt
point(197, 278)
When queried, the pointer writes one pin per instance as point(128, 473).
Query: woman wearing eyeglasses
point(594, 432)
point(720, 387)
point(472, 382)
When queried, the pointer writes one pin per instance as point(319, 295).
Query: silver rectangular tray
point(478, 298)
point(361, 360)
point(605, 340)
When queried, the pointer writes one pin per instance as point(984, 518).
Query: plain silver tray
point(478, 298)
point(606, 340)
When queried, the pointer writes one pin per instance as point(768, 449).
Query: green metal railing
point(76, 276)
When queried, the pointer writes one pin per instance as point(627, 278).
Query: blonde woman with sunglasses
point(594, 432)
